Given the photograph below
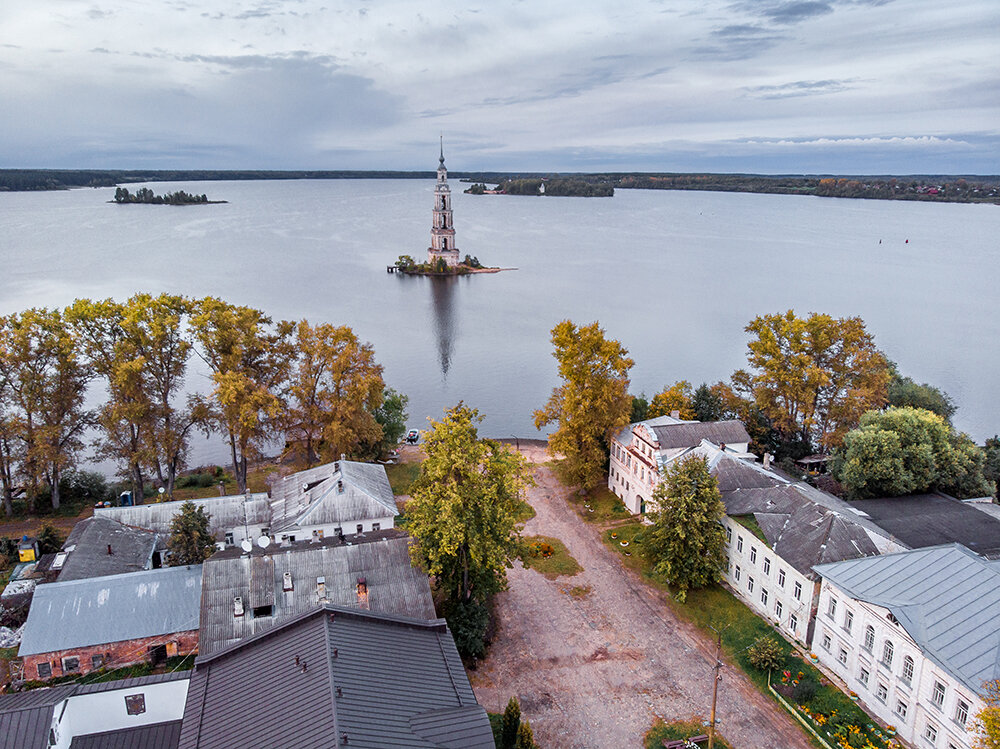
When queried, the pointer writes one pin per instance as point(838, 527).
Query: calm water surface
point(675, 276)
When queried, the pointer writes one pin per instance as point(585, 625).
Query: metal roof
point(946, 598)
point(87, 549)
point(224, 513)
point(25, 717)
point(689, 435)
point(339, 493)
point(154, 736)
point(382, 681)
point(923, 520)
point(394, 586)
point(115, 608)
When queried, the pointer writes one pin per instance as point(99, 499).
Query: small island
point(556, 187)
point(441, 267)
point(146, 196)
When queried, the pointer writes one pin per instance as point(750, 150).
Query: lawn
point(402, 476)
point(203, 483)
point(549, 556)
point(679, 729)
point(598, 506)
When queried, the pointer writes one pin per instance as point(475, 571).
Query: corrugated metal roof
point(382, 681)
point(947, 598)
point(339, 493)
point(394, 586)
point(671, 436)
point(88, 543)
point(109, 609)
point(224, 513)
point(155, 736)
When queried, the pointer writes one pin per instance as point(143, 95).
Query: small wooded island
point(556, 187)
point(147, 196)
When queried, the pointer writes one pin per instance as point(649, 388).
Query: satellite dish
point(263, 542)
point(161, 490)
point(246, 545)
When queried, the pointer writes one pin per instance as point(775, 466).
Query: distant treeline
point(147, 196)
point(559, 187)
point(62, 179)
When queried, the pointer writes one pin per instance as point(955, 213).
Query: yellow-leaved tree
point(987, 721)
point(676, 397)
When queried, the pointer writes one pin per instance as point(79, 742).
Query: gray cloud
point(800, 88)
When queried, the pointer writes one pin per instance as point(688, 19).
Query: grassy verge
point(830, 711)
point(558, 562)
point(176, 663)
point(204, 483)
point(599, 505)
point(678, 729)
point(402, 476)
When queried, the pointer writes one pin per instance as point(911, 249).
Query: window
point(907, 669)
point(793, 622)
point(729, 535)
point(848, 621)
point(937, 696)
point(753, 555)
point(826, 641)
point(901, 708)
point(230, 541)
point(763, 596)
point(750, 584)
point(739, 543)
point(887, 653)
point(44, 670)
point(831, 607)
point(781, 578)
point(797, 591)
point(930, 733)
point(767, 566)
point(962, 712)
point(863, 676)
point(777, 609)
point(135, 704)
point(70, 664)
point(881, 691)
point(736, 573)
point(842, 656)
point(262, 611)
point(376, 527)
point(869, 638)
point(96, 661)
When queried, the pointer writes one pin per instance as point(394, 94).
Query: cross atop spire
point(442, 149)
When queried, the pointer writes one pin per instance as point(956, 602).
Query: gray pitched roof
point(155, 736)
point(947, 598)
point(689, 435)
point(224, 513)
point(25, 717)
point(394, 586)
point(340, 493)
point(382, 681)
point(115, 608)
point(925, 520)
point(87, 555)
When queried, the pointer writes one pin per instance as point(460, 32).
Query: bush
point(804, 691)
point(50, 540)
point(766, 654)
point(467, 621)
point(84, 486)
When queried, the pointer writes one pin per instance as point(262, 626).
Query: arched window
point(907, 669)
point(869, 638)
point(887, 653)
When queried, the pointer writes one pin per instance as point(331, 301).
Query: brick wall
point(113, 655)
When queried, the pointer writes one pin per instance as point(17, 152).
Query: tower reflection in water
point(445, 326)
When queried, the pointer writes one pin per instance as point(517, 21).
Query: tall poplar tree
point(591, 403)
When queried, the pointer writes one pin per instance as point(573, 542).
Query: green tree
point(190, 542)
point(391, 416)
point(250, 359)
point(766, 654)
point(686, 541)
point(464, 506)
point(525, 739)
point(676, 397)
point(813, 377)
point(904, 391)
point(50, 540)
point(707, 404)
point(909, 450)
point(986, 723)
point(591, 403)
point(511, 722)
point(640, 407)
point(336, 387)
point(991, 453)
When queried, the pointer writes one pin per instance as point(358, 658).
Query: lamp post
point(717, 677)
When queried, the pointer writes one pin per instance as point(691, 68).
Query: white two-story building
point(915, 635)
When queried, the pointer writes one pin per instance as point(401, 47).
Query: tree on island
point(190, 542)
point(686, 543)
point(590, 405)
point(147, 196)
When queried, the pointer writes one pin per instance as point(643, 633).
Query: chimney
point(340, 487)
point(767, 460)
point(238, 606)
point(363, 593)
point(675, 415)
point(286, 582)
point(110, 553)
point(321, 589)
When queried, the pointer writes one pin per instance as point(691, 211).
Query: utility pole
point(717, 677)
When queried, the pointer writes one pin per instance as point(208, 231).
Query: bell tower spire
point(442, 223)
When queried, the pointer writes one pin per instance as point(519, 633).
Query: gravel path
point(596, 670)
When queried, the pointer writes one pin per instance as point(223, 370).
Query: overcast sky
point(799, 86)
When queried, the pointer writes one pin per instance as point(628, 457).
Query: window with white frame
point(729, 535)
point(842, 656)
point(826, 641)
point(753, 555)
point(863, 676)
point(901, 709)
point(777, 609)
point(736, 572)
point(961, 712)
point(767, 566)
point(739, 543)
point(907, 674)
point(781, 578)
point(831, 607)
point(797, 591)
point(848, 621)
point(881, 691)
point(763, 596)
point(793, 622)
point(937, 694)
point(887, 651)
point(930, 733)
point(749, 583)
point(869, 638)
